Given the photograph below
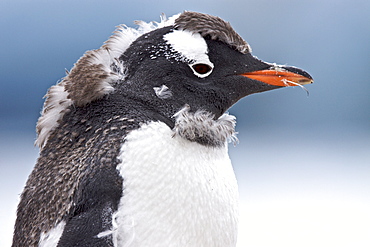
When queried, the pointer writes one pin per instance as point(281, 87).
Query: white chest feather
point(175, 192)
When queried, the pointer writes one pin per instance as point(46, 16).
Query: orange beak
point(279, 77)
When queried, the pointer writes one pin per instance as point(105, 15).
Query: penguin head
point(199, 61)
point(192, 59)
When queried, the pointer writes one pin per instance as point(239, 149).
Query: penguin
point(133, 141)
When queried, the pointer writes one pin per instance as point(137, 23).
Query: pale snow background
point(303, 163)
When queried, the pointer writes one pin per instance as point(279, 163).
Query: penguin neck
point(144, 105)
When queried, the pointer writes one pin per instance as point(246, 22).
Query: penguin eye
point(202, 68)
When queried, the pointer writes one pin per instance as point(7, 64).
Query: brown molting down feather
point(212, 26)
point(89, 80)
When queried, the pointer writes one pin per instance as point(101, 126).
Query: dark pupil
point(201, 68)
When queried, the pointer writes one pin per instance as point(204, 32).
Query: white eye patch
point(191, 46)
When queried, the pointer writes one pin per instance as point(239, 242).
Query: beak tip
point(283, 77)
point(306, 81)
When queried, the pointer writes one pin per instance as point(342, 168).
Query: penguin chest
point(175, 192)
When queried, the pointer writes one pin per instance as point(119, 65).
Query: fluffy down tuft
point(202, 127)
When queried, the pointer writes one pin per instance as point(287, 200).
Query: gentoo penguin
point(133, 141)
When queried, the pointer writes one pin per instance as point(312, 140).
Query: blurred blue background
point(303, 163)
